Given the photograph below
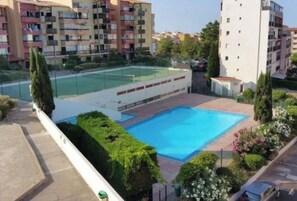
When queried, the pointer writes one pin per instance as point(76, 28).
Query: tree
point(4, 65)
point(263, 99)
point(209, 35)
point(165, 46)
point(41, 88)
point(189, 48)
point(213, 68)
point(294, 58)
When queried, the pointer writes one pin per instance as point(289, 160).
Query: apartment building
point(294, 39)
point(87, 28)
point(285, 51)
point(250, 43)
point(135, 23)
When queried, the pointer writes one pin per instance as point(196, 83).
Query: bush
point(254, 161)
point(205, 160)
point(89, 65)
point(289, 102)
point(248, 95)
point(292, 111)
point(239, 176)
point(6, 104)
point(189, 170)
point(163, 62)
point(278, 95)
point(248, 141)
point(130, 166)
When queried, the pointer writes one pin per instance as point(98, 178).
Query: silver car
point(260, 191)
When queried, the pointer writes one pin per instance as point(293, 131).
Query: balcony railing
point(141, 31)
point(141, 40)
point(141, 13)
point(50, 18)
point(52, 43)
point(141, 22)
point(51, 31)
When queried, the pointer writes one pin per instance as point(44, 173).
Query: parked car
point(199, 65)
point(260, 191)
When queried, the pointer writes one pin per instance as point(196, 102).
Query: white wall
point(110, 99)
point(91, 176)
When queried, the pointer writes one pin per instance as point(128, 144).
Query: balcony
point(75, 42)
point(141, 22)
point(129, 12)
point(3, 19)
point(127, 23)
point(141, 31)
point(142, 40)
point(128, 31)
point(68, 52)
point(106, 31)
point(50, 18)
point(52, 43)
point(128, 41)
point(28, 44)
point(31, 32)
point(32, 20)
point(51, 31)
point(3, 32)
point(52, 53)
point(69, 31)
point(141, 13)
point(73, 20)
point(4, 45)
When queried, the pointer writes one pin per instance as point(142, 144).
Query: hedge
point(290, 102)
point(288, 84)
point(130, 166)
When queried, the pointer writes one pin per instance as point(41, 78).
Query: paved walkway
point(20, 171)
point(63, 183)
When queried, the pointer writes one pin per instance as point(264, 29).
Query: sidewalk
point(62, 180)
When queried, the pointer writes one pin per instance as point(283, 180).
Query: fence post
point(20, 93)
point(221, 157)
point(165, 192)
point(160, 195)
point(76, 83)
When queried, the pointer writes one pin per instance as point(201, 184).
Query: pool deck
point(170, 168)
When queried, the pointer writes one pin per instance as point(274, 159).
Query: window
point(226, 46)
point(237, 57)
point(239, 31)
point(239, 18)
point(226, 58)
point(238, 44)
point(241, 5)
point(228, 20)
point(227, 33)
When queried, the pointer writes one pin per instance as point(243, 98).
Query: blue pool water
point(182, 132)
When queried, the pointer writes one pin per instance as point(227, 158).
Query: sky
point(191, 16)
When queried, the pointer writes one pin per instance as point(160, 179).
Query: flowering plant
point(247, 141)
point(208, 186)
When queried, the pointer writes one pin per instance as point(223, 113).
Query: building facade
point(87, 28)
point(251, 34)
point(294, 39)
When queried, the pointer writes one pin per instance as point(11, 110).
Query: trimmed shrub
point(130, 166)
point(288, 84)
point(205, 159)
point(163, 62)
point(278, 95)
point(189, 170)
point(254, 161)
point(289, 102)
point(248, 95)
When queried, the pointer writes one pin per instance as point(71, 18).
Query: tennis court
point(82, 83)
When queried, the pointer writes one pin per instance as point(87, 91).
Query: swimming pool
point(182, 132)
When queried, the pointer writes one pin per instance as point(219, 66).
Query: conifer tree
point(41, 88)
point(213, 67)
point(263, 99)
